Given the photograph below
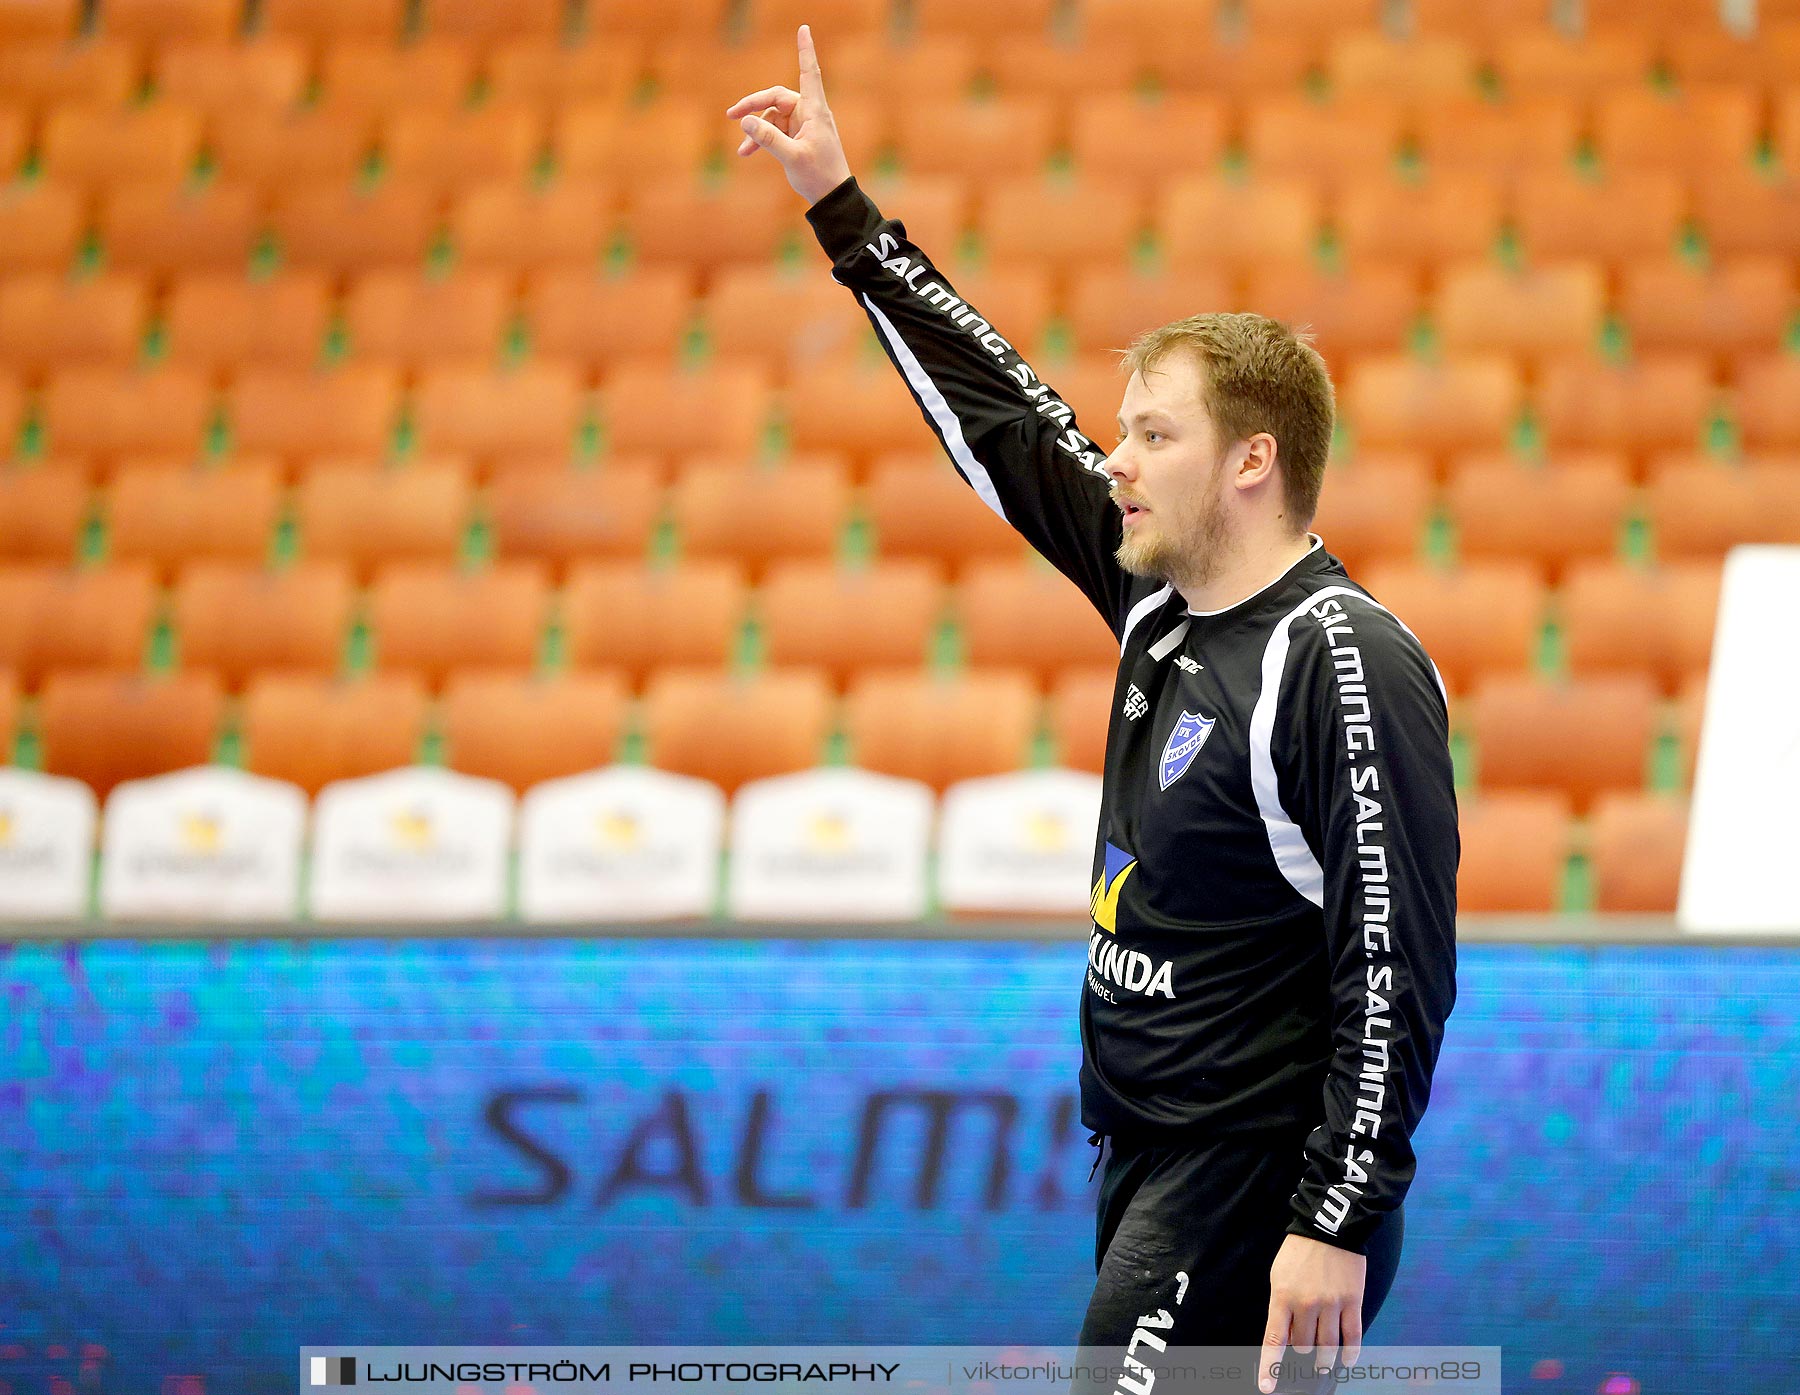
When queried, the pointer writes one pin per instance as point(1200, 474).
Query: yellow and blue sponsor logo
point(1103, 904)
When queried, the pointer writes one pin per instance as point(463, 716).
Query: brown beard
point(1192, 560)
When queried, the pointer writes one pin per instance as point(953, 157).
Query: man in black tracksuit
point(1272, 954)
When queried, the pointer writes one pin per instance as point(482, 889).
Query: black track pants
point(1191, 1231)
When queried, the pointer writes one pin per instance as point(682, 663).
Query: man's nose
point(1119, 465)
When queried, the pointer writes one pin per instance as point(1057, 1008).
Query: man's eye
point(1153, 435)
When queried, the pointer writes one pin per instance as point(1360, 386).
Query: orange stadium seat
point(1547, 307)
point(1550, 515)
point(840, 620)
point(1702, 510)
point(178, 227)
point(524, 729)
point(42, 73)
point(161, 20)
point(1690, 716)
point(1149, 25)
point(47, 320)
point(1472, 401)
point(489, 410)
point(103, 728)
point(1540, 58)
point(220, 321)
point(168, 515)
point(9, 714)
point(1749, 211)
point(306, 145)
point(1327, 141)
point(978, 139)
point(12, 413)
point(450, 148)
point(1374, 508)
point(704, 226)
point(926, 68)
point(757, 516)
point(1637, 844)
point(778, 19)
point(805, 318)
point(1499, 138)
point(1768, 54)
point(346, 229)
point(1737, 303)
point(1694, 129)
point(634, 141)
point(1329, 17)
point(920, 507)
point(486, 21)
point(226, 79)
point(554, 75)
point(1095, 387)
point(645, 406)
point(1515, 850)
point(101, 145)
point(238, 619)
point(1016, 19)
point(1423, 66)
point(1205, 219)
point(1080, 706)
point(1478, 619)
point(1041, 66)
point(934, 208)
point(1109, 306)
point(39, 19)
point(1581, 738)
point(1029, 617)
point(351, 407)
point(564, 516)
point(1620, 619)
point(1626, 213)
point(863, 407)
point(377, 79)
point(430, 619)
point(1065, 223)
point(1451, 214)
point(517, 226)
point(941, 729)
point(323, 20)
point(655, 19)
point(1786, 129)
point(62, 618)
point(1658, 16)
point(580, 313)
point(731, 730)
point(40, 225)
point(1125, 136)
point(42, 513)
point(1268, 58)
point(1366, 305)
point(313, 730)
point(406, 314)
point(1767, 401)
point(107, 411)
point(415, 513)
point(630, 617)
point(1658, 401)
point(15, 139)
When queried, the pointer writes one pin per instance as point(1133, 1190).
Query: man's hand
point(796, 128)
point(1315, 1300)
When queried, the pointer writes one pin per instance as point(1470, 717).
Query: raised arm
point(1010, 436)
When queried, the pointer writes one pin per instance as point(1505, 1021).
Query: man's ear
point(1258, 463)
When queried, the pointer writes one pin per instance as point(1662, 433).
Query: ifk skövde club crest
point(1185, 741)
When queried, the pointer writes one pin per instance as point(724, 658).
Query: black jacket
point(1274, 899)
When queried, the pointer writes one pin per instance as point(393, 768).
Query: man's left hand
point(1315, 1301)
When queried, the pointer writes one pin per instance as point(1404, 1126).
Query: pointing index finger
point(812, 82)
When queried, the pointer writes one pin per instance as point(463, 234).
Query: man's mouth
point(1131, 511)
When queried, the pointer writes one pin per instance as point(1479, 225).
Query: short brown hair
point(1258, 375)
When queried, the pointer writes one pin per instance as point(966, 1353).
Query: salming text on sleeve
point(1010, 436)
